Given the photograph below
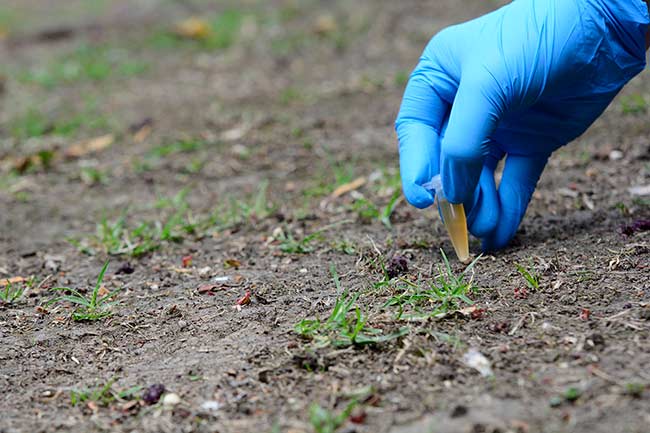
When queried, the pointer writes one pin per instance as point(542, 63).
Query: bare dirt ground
point(204, 167)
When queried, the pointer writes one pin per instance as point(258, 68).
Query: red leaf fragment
point(358, 416)
point(521, 293)
point(186, 261)
point(584, 314)
point(478, 313)
point(245, 300)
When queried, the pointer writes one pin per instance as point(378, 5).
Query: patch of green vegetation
point(291, 245)
point(345, 326)
point(242, 211)
point(326, 421)
point(401, 78)
point(176, 223)
point(11, 292)
point(634, 104)
point(289, 44)
point(330, 177)
point(34, 123)
point(344, 246)
point(90, 308)
point(8, 19)
point(634, 389)
point(115, 238)
point(446, 294)
point(103, 394)
point(572, 394)
point(368, 211)
point(86, 63)
point(530, 275)
point(187, 145)
point(291, 95)
point(93, 176)
point(152, 159)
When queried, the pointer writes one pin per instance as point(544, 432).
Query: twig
point(521, 322)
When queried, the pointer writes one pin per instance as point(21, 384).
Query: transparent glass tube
point(453, 216)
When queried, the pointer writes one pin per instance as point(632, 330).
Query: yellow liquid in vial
point(453, 215)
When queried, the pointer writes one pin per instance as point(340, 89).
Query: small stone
point(459, 411)
point(171, 399)
point(125, 268)
point(615, 155)
point(182, 324)
point(397, 266)
point(211, 406)
point(152, 394)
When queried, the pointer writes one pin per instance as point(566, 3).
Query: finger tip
point(419, 197)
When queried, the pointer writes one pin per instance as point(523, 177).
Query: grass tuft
point(346, 324)
point(446, 294)
point(530, 275)
point(90, 308)
point(103, 395)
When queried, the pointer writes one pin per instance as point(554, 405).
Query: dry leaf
point(181, 270)
point(193, 28)
point(231, 263)
point(12, 280)
point(207, 288)
point(103, 291)
point(142, 134)
point(93, 145)
point(351, 186)
point(244, 300)
point(325, 24)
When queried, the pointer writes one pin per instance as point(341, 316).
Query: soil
point(304, 99)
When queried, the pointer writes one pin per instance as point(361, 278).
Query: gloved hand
point(518, 82)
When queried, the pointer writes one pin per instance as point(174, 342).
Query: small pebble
point(171, 399)
point(182, 324)
point(211, 406)
point(615, 155)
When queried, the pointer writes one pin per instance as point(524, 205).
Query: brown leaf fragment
point(205, 288)
point(86, 147)
point(103, 291)
point(347, 187)
point(231, 263)
point(12, 280)
point(193, 28)
point(141, 130)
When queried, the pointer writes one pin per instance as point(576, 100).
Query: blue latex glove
point(518, 82)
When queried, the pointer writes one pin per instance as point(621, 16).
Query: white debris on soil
point(639, 190)
point(476, 360)
point(204, 272)
point(221, 279)
point(615, 155)
point(171, 399)
point(211, 406)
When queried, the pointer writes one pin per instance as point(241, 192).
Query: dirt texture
point(300, 102)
